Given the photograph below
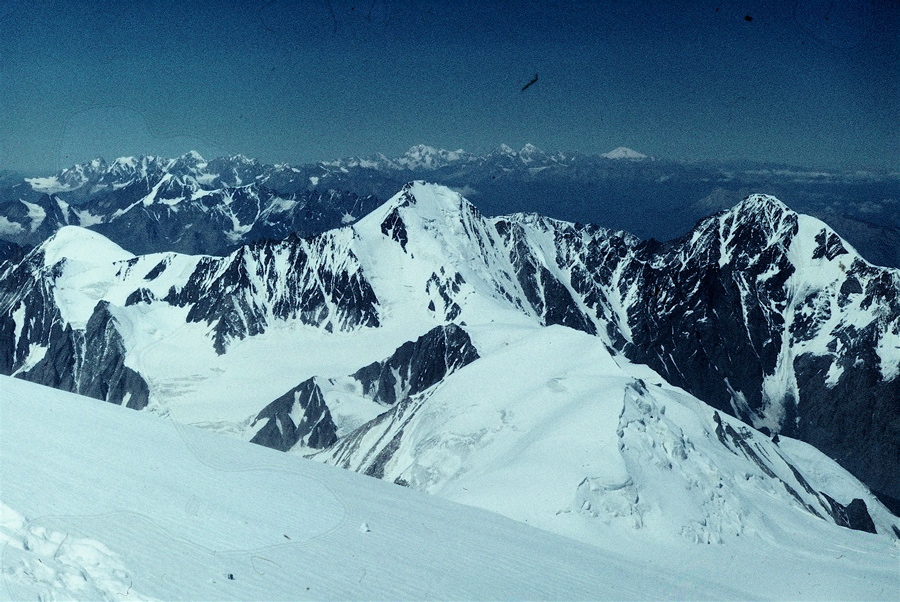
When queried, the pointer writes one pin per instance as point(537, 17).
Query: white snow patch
point(36, 214)
point(889, 353)
point(87, 219)
point(8, 228)
point(78, 244)
point(117, 498)
point(623, 152)
point(36, 353)
point(50, 185)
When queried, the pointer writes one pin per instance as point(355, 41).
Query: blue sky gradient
point(809, 82)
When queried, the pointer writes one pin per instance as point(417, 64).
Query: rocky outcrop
point(417, 365)
point(90, 362)
point(317, 281)
point(300, 416)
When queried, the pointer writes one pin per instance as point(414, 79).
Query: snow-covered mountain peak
point(192, 156)
point(242, 159)
point(69, 179)
point(531, 153)
point(125, 169)
point(755, 223)
point(432, 200)
point(190, 161)
point(761, 204)
point(431, 252)
point(422, 156)
point(75, 243)
point(130, 162)
point(623, 152)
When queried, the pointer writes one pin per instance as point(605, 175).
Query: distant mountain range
point(191, 205)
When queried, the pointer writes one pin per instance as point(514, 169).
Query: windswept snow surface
point(100, 502)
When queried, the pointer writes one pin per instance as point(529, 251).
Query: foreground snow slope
point(98, 502)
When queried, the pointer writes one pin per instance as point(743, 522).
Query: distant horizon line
point(619, 153)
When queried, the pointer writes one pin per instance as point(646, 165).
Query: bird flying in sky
point(531, 83)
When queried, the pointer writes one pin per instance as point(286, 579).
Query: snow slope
point(99, 502)
point(548, 428)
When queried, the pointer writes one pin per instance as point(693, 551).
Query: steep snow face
point(518, 269)
point(564, 270)
point(431, 254)
point(550, 429)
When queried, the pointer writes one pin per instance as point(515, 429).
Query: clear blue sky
point(807, 82)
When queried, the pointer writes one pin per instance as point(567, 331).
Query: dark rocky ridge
point(315, 428)
point(184, 218)
point(90, 362)
point(719, 327)
point(238, 295)
point(413, 368)
point(417, 365)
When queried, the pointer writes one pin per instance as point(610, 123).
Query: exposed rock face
point(302, 417)
point(544, 291)
point(317, 281)
point(764, 314)
point(417, 365)
point(740, 441)
point(855, 421)
point(298, 416)
point(10, 254)
point(216, 222)
point(761, 312)
point(90, 362)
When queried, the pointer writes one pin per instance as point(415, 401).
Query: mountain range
point(484, 358)
point(191, 205)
